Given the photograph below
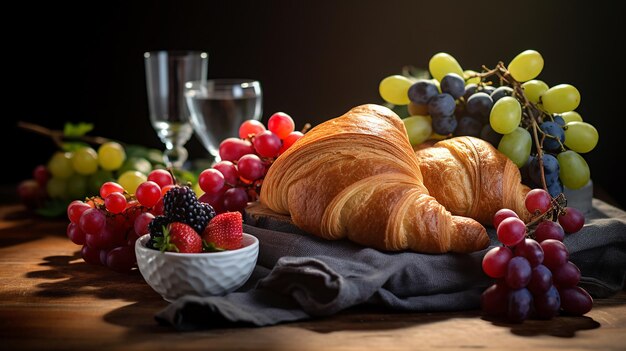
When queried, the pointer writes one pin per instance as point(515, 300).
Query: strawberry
point(224, 232)
point(179, 237)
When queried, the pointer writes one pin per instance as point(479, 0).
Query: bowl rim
point(141, 241)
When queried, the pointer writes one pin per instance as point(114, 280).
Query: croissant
point(472, 179)
point(357, 177)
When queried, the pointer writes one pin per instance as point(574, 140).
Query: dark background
point(315, 60)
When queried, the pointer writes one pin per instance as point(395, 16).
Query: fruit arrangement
point(77, 170)
point(533, 275)
point(236, 180)
point(536, 126)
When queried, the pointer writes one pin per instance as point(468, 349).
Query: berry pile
point(534, 277)
point(236, 180)
point(108, 225)
point(532, 124)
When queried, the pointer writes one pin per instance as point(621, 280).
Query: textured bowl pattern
point(173, 275)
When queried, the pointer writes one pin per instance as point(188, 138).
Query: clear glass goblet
point(219, 106)
point(166, 75)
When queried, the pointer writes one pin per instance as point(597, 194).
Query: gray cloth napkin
point(299, 276)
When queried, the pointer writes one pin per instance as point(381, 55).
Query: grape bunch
point(79, 173)
point(236, 180)
point(107, 225)
point(535, 125)
point(534, 277)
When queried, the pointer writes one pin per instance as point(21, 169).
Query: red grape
point(575, 300)
point(121, 259)
point(267, 144)
point(161, 177)
point(538, 201)
point(502, 214)
point(520, 302)
point(280, 124)
point(290, 140)
point(141, 223)
point(75, 209)
point(110, 187)
point(103, 257)
point(211, 180)
point(540, 280)
point(216, 200)
point(518, 273)
point(76, 235)
point(148, 193)
point(511, 231)
point(232, 149)
point(572, 220)
point(566, 276)
point(235, 199)
point(549, 230)
point(547, 304)
point(90, 255)
point(92, 221)
point(494, 300)
point(250, 128)
point(31, 194)
point(41, 175)
point(530, 250)
point(157, 209)
point(496, 260)
point(251, 167)
point(165, 189)
point(229, 171)
point(555, 253)
point(115, 203)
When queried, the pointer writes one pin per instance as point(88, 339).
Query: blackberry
point(181, 205)
point(156, 229)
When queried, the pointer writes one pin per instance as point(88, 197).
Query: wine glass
point(166, 74)
point(219, 106)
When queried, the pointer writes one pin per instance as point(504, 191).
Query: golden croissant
point(357, 177)
point(472, 179)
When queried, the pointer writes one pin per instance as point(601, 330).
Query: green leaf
point(73, 146)
point(77, 129)
point(53, 208)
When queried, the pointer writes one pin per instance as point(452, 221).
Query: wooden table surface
point(50, 299)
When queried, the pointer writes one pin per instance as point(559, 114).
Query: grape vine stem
point(57, 136)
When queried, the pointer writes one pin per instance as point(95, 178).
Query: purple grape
point(566, 276)
point(468, 126)
point(422, 91)
point(479, 105)
point(530, 250)
point(547, 304)
point(520, 302)
point(575, 300)
point(442, 105)
point(501, 92)
point(549, 230)
point(518, 273)
point(494, 300)
point(555, 253)
point(540, 280)
point(554, 130)
point(444, 125)
point(453, 84)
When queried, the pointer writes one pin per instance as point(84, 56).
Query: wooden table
point(50, 299)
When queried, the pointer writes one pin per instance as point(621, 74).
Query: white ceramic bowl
point(173, 274)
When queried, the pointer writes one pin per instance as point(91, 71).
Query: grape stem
point(557, 208)
point(58, 136)
point(532, 111)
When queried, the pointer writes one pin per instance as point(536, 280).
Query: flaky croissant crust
point(356, 176)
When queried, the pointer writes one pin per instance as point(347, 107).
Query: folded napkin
point(300, 276)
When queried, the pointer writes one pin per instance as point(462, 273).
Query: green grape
point(580, 136)
point(466, 75)
point(96, 180)
point(533, 89)
point(136, 164)
point(85, 161)
point(561, 98)
point(60, 165)
point(505, 115)
point(395, 89)
point(111, 155)
point(571, 116)
point(57, 188)
point(76, 187)
point(130, 180)
point(418, 128)
point(574, 171)
point(516, 146)
point(526, 66)
point(441, 64)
